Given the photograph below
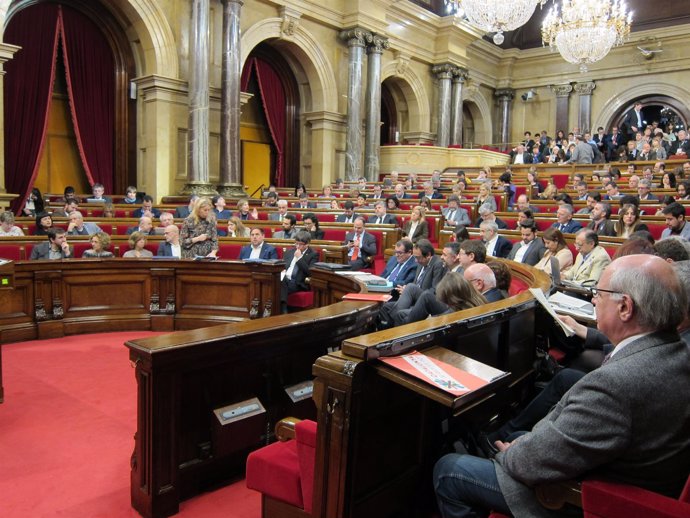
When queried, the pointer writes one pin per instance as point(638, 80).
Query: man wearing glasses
point(626, 421)
point(298, 260)
point(590, 261)
point(401, 268)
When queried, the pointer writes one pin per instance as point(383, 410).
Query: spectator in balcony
point(100, 247)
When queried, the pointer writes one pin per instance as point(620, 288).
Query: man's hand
point(255, 213)
point(580, 329)
point(201, 237)
point(65, 249)
point(502, 446)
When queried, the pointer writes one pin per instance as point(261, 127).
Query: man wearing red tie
point(360, 244)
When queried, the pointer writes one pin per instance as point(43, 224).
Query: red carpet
point(66, 434)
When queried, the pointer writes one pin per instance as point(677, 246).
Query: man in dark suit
point(644, 191)
point(601, 222)
point(430, 192)
point(633, 122)
point(484, 281)
point(146, 209)
point(304, 202)
point(496, 246)
point(145, 226)
point(531, 249)
point(55, 248)
point(626, 421)
point(171, 246)
point(298, 260)
point(681, 146)
point(564, 220)
point(613, 142)
point(520, 156)
point(361, 245)
point(380, 217)
point(401, 268)
point(400, 193)
point(258, 249)
point(348, 215)
point(183, 212)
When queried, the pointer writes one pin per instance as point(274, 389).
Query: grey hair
point(489, 225)
point(660, 303)
point(682, 269)
point(486, 274)
point(485, 209)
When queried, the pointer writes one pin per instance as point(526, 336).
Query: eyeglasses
point(596, 292)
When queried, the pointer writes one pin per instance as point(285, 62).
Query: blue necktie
point(395, 272)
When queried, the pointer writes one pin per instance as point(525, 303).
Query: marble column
point(7, 51)
point(198, 129)
point(444, 74)
point(372, 133)
point(562, 97)
point(231, 71)
point(584, 114)
point(356, 39)
point(505, 101)
point(460, 75)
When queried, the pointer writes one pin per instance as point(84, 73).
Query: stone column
point(6, 53)
point(355, 39)
point(231, 71)
point(198, 130)
point(459, 77)
point(562, 96)
point(372, 136)
point(505, 100)
point(443, 73)
point(584, 114)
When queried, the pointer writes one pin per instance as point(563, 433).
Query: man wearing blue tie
point(401, 268)
point(565, 222)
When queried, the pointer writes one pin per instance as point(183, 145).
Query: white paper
point(539, 295)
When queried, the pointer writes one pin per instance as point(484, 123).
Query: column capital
point(460, 75)
point(562, 90)
point(444, 71)
point(376, 44)
point(505, 94)
point(585, 88)
point(355, 37)
point(226, 2)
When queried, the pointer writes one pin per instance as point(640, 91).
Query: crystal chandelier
point(494, 15)
point(587, 29)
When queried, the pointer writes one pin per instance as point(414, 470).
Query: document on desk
point(539, 295)
point(572, 305)
point(440, 374)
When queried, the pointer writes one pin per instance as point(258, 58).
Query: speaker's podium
point(381, 427)
point(6, 283)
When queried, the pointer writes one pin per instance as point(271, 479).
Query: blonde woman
point(137, 245)
point(485, 196)
point(100, 243)
point(416, 227)
point(199, 236)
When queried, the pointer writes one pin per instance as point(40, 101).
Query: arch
point(481, 113)
point(614, 105)
point(306, 51)
point(138, 15)
point(416, 97)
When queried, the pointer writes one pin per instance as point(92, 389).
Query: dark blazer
point(131, 230)
point(629, 121)
point(223, 214)
point(310, 205)
point(606, 229)
point(140, 212)
point(421, 232)
point(435, 196)
point(503, 247)
point(625, 421)
point(534, 252)
point(527, 158)
point(301, 271)
point(502, 225)
point(340, 218)
point(493, 295)
point(165, 250)
point(182, 212)
point(388, 219)
point(267, 252)
point(42, 250)
point(366, 250)
point(570, 228)
point(406, 274)
point(683, 145)
point(433, 273)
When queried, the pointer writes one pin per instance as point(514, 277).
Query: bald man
point(171, 246)
point(626, 421)
point(483, 279)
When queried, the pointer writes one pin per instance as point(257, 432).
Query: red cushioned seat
point(301, 299)
point(274, 471)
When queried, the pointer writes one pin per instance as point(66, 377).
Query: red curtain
point(90, 70)
point(28, 90)
point(273, 101)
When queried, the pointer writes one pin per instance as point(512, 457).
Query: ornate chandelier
point(587, 29)
point(494, 15)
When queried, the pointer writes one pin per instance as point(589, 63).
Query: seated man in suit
point(644, 189)
point(171, 246)
point(496, 246)
point(520, 156)
point(304, 202)
point(564, 220)
point(399, 191)
point(78, 227)
point(289, 228)
point(401, 268)
point(348, 216)
point(145, 226)
point(486, 213)
point(530, 249)
point(430, 192)
point(380, 216)
point(484, 281)
point(257, 249)
point(361, 245)
point(97, 192)
point(55, 248)
point(626, 421)
point(522, 204)
point(675, 221)
point(590, 261)
point(183, 212)
point(71, 205)
point(601, 222)
point(298, 260)
point(454, 214)
point(146, 209)
point(281, 213)
point(681, 146)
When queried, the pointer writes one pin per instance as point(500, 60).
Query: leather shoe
point(486, 445)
